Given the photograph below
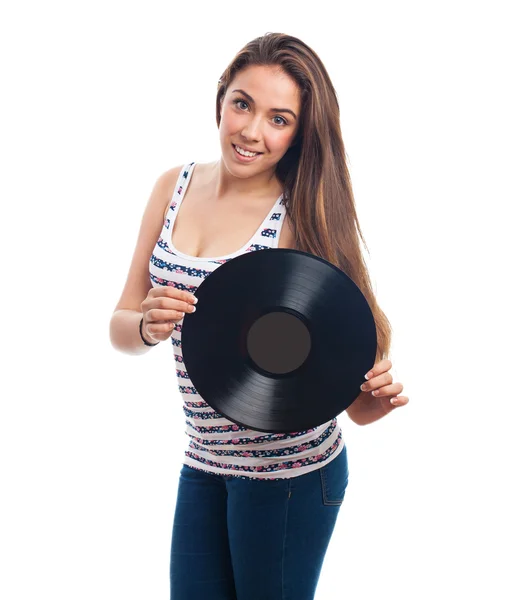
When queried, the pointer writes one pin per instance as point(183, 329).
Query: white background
point(99, 98)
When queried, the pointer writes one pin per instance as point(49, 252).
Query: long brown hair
point(315, 166)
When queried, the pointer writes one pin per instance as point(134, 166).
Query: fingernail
point(195, 300)
point(368, 375)
point(393, 400)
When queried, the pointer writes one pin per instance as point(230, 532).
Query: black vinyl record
point(280, 341)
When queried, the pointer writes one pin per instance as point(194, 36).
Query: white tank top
point(218, 445)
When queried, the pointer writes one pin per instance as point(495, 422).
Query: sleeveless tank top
point(217, 445)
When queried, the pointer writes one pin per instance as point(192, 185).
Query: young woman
point(255, 511)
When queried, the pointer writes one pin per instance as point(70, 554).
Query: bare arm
point(124, 324)
point(124, 332)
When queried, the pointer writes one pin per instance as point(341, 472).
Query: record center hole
point(278, 342)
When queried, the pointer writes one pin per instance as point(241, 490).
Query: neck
point(225, 185)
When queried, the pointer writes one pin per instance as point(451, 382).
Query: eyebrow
point(284, 110)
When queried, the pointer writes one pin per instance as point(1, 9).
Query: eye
point(239, 100)
point(284, 121)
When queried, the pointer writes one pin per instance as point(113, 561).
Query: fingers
point(378, 378)
point(380, 367)
point(388, 390)
point(176, 312)
point(169, 308)
point(377, 382)
point(173, 293)
point(154, 329)
point(186, 305)
point(399, 400)
point(165, 306)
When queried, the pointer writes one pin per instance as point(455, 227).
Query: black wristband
point(146, 343)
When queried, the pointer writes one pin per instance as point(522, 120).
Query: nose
point(252, 130)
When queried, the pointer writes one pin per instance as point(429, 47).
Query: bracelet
point(146, 343)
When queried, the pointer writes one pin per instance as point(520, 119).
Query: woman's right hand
point(162, 308)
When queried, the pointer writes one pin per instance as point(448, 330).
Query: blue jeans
point(253, 539)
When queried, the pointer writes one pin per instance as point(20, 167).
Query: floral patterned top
point(218, 445)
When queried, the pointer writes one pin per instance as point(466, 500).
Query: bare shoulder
point(169, 180)
point(138, 282)
point(172, 175)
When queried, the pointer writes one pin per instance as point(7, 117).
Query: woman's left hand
point(380, 384)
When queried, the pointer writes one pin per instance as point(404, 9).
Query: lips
point(248, 149)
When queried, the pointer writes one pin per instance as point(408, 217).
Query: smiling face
point(261, 112)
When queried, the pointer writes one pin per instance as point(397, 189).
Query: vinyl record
point(280, 341)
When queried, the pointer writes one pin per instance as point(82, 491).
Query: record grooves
point(280, 341)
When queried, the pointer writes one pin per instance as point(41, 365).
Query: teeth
point(245, 152)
